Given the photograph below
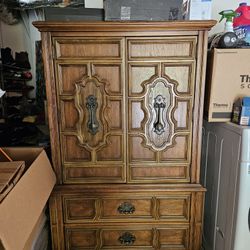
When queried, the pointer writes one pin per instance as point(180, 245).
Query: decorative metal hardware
point(159, 106)
point(92, 105)
point(127, 239)
point(126, 208)
point(160, 101)
point(249, 219)
point(220, 232)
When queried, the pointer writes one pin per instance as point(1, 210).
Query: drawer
point(171, 207)
point(162, 48)
point(129, 237)
point(91, 48)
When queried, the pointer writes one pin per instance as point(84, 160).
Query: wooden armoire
point(125, 105)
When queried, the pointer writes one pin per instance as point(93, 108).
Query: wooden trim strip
point(124, 26)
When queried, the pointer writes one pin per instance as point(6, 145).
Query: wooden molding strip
point(121, 26)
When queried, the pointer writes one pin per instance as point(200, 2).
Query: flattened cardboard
point(10, 173)
point(21, 208)
point(228, 78)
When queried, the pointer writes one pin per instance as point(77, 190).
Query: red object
point(242, 16)
point(27, 75)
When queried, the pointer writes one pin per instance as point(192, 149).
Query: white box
point(95, 4)
point(198, 9)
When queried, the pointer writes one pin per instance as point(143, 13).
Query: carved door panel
point(160, 100)
point(91, 109)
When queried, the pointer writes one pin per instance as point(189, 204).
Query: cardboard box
point(10, 173)
point(39, 237)
point(73, 14)
point(22, 207)
point(228, 78)
point(144, 10)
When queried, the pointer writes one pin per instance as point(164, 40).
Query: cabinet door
point(91, 109)
point(160, 100)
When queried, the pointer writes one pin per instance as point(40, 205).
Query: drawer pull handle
point(220, 232)
point(127, 239)
point(92, 105)
point(126, 208)
point(159, 106)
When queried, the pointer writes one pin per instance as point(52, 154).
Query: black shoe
point(22, 60)
point(15, 100)
point(11, 110)
point(16, 86)
point(6, 56)
point(13, 85)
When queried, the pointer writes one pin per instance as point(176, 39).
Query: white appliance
point(225, 172)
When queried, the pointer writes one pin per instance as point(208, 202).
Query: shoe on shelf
point(11, 110)
point(27, 75)
point(6, 56)
point(22, 60)
point(15, 100)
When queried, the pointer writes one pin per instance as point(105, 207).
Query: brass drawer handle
point(127, 239)
point(126, 208)
point(92, 105)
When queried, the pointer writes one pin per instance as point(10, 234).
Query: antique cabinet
point(125, 104)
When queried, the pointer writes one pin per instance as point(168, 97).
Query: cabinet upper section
point(125, 100)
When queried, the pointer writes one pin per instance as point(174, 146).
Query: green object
point(228, 14)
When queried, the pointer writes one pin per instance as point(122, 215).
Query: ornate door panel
point(92, 118)
point(160, 100)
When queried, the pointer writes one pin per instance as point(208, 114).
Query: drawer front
point(88, 48)
point(125, 208)
point(161, 48)
point(129, 237)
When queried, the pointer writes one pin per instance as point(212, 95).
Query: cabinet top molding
point(121, 26)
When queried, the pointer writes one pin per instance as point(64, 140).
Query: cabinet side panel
point(52, 105)
point(198, 106)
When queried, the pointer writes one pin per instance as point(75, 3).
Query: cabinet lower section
point(126, 217)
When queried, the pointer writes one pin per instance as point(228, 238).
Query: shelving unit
point(17, 110)
point(2, 111)
point(14, 80)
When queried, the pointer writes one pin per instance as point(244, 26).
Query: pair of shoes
point(17, 86)
point(13, 85)
point(18, 75)
point(15, 100)
point(21, 58)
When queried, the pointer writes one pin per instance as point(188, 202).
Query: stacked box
point(144, 10)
